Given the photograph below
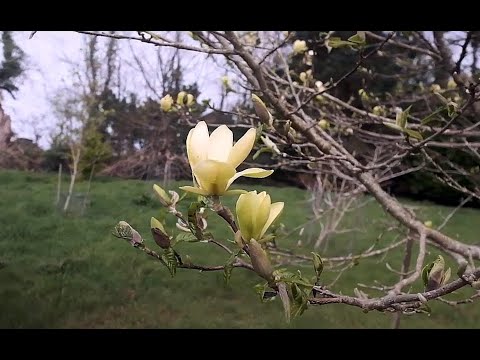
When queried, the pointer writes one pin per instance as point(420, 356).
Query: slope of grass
point(68, 271)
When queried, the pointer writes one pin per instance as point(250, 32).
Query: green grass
point(68, 271)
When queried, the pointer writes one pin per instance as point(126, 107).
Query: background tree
point(11, 68)
point(14, 153)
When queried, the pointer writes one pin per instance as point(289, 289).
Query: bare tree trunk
point(75, 160)
point(59, 184)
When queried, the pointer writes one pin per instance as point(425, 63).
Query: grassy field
point(68, 271)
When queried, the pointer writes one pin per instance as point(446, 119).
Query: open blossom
point(255, 214)
point(299, 46)
point(214, 159)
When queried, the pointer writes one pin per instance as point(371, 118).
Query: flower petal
point(197, 143)
point(213, 176)
point(242, 148)
point(235, 192)
point(220, 144)
point(252, 173)
point(244, 208)
point(194, 190)
point(275, 211)
point(260, 216)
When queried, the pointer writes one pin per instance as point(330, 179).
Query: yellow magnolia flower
point(166, 102)
point(299, 46)
point(255, 214)
point(214, 159)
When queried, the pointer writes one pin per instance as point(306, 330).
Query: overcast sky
point(46, 52)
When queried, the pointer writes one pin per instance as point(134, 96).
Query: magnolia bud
point(181, 97)
point(378, 110)
point(163, 196)
point(319, 85)
point(451, 84)
point(124, 230)
point(437, 276)
point(303, 77)
point(159, 234)
point(260, 261)
point(166, 103)
point(190, 100)
point(261, 110)
point(225, 81)
point(317, 264)
point(363, 95)
point(123, 224)
point(324, 124)
point(435, 88)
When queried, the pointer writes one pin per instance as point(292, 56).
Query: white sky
point(46, 72)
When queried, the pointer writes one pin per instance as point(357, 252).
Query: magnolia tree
point(306, 123)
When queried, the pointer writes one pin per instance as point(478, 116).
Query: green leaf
point(259, 131)
point(413, 133)
point(358, 38)
point(425, 272)
point(300, 301)
point(291, 278)
point(393, 126)
point(430, 117)
point(443, 99)
point(261, 151)
point(260, 290)
point(317, 265)
point(185, 237)
point(170, 260)
point(402, 117)
point(337, 42)
point(192, 219)
point(452, 109)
